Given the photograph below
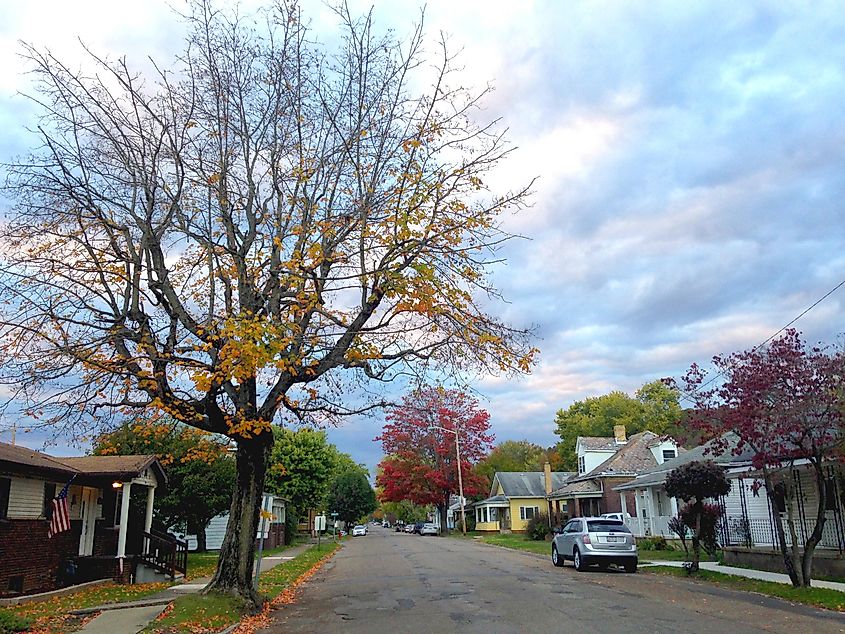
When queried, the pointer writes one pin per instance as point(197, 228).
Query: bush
point(653, 543)
point(291, 522)
point(538, 527)
point(11, 622)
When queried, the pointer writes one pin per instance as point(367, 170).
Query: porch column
point(649, 499)
point(124, 519)
point(148, 518)
point(673, 503)
point(624, 504)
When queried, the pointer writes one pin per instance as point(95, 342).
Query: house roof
point(578, 488)
point(598, 443)
point(115, 467)
point(727, 458)
point(631, 459)
point(529, 484)
point(496, 500)
point(15, 455)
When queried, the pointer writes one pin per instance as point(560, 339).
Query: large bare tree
point(236, 236)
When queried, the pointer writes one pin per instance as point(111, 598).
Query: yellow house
point(515, 498)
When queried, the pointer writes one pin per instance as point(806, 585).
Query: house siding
point(519, 525)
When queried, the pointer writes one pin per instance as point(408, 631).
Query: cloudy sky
point(690, 164)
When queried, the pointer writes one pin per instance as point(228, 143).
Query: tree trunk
point(696, 541)
point(788, 563)
point(235, 566)
point(816, 535)
point(442, 509)
point(201, 543)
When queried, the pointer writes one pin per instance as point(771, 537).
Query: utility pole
point(460, 476)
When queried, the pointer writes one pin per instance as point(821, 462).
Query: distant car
point(622, 517)
point(429, 529)
point(595, 540)
point(417, 527)
point(385, 524)
point(409, 528)
point(359, 531)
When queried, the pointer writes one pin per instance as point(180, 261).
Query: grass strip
point(817, 597)
point(205, 564)
point(212, 612)
point(51, 616)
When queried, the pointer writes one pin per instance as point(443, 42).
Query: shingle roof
point(110, 466)
point(529, 484)
point(91, 466)
point(598, 443)
point(17, 455)
point(496, 500)
point(632, 458)
point(727, 458)
point(578, 487)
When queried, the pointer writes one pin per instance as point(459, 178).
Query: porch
point(493, 514)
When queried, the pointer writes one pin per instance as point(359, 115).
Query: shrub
point(657, 542)
point(538, 527)
point(679, 528)
point(11, 622)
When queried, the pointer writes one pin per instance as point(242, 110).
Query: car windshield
point(607, 526)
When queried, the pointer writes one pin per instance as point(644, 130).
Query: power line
point(760, 345)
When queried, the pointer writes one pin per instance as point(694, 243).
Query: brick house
point(107, 538)
point(605, 463)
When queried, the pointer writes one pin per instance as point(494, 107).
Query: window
point(607, 526)
point(668, 454)
point(528, 512)
point(492, 515)
point(582, 467)
point(5, 487)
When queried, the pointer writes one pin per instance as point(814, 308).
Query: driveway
point(394, 582)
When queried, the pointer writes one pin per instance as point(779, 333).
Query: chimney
point(547, 471)
point(619, 434)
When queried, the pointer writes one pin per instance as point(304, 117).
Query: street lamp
point(460, 478)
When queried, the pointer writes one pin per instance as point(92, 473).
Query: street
point(395, 582)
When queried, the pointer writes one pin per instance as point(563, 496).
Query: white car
point(359, 531)
point(428, 529)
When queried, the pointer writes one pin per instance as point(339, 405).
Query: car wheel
point(631, 567)
point(557, 560)
point(578, 560)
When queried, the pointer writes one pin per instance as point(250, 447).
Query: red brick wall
point(26, 550)
point(611, 502)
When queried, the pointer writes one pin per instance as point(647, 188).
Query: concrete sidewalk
point(748, 573)
point(134, 616)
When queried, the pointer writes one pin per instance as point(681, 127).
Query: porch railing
point(164, 553)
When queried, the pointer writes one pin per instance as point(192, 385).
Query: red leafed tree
point(421, 463)
point(784, 402)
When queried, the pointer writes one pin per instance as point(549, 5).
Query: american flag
point(60, 521)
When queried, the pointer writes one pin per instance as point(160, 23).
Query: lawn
point(204, 564)
point(669, 555)
point(818, 597)
point(51, 616)
point(212, 612)
point(515, 541)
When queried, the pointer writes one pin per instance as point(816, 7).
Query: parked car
point(399, 527)
point(359, 531)
point(409, 528)
point(622, 517)
point(385, 524)
point(595, 540)
point(418, 526)
point(429, 529)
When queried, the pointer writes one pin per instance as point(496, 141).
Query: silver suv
point(595, 540)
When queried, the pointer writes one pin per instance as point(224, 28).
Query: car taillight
point(586, 539)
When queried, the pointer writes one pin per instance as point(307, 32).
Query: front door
point(88, 513)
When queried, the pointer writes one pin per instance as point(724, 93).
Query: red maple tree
point(784, 403)
point(420, 461)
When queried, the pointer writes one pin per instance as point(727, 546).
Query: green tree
point(301, 466)
point(404, 511)
point(512, 455)
point(351, 496)
point(200, 472)
point(655, 407)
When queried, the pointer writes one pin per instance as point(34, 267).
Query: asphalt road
point(393, 582)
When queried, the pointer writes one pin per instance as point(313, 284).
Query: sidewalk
point(132, 617)
point(748, 573)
